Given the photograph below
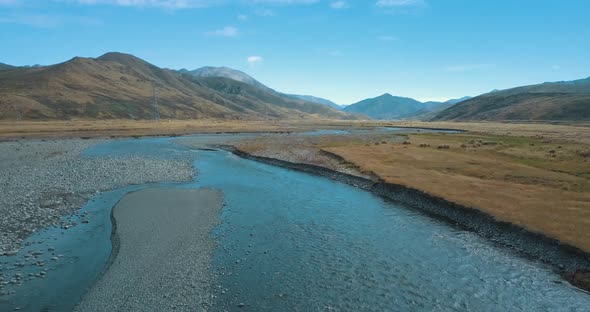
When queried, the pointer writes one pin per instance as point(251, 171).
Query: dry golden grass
point(539, 178)
point(576, 132)
point(116, 127)
point(512, 189)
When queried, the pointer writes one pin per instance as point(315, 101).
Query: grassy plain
point(127, 128)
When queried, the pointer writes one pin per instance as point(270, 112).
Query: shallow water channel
point(291, 241)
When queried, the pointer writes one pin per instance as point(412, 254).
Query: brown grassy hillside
point(566, 100)
point(118, 85)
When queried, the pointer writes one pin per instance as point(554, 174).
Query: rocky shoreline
point(570, 262)
point(44, 180)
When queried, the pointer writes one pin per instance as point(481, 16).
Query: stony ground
point(41, 181)
point(164, 255)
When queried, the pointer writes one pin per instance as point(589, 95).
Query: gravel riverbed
point(163, 253)
point(42, 181)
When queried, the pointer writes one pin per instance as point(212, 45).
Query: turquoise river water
point(291, 241)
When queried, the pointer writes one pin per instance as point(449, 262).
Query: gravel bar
point(42, 181)
point(162, 253)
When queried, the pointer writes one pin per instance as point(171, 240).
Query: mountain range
point(388, 106)
point(316, 99)
point(226, 72)
point(563, 100)
point(117, 85)
point(5, 66)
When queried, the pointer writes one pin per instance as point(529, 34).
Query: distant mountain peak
point(220, 67)
point(226, 72)
point(386, 106)
point(315, 99)
point(121, 58)
point(115, 55)
point(234, 74)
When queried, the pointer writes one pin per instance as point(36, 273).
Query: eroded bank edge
point(572, 263)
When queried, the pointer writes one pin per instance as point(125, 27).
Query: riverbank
point(538, 182)
point(44, 180)
point(569, 261)
point(162, 253)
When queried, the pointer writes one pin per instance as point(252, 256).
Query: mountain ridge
point(561, 100)
point(118, 85)
point(316, 99)
point(227, 72)
point(387, 106)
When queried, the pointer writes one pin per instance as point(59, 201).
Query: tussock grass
point(536, 176)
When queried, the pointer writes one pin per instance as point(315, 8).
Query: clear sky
point(343, 50)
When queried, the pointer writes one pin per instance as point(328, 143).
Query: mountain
point(459, 100)
point(6, 66)
point(226, 72)
point(564, 100)
point(386, 106)
point(118, 85)
point(251, 97)
point(433, 108)
point(315, 99)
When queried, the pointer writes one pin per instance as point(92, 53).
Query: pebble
point(57, 180)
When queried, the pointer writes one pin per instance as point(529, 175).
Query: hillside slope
point(315, 99)
point(566, 100)
point(118, 85)
point(5, 66)
point(226, 72)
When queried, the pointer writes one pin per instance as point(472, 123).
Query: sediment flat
point(44, 180)
point(162, 253)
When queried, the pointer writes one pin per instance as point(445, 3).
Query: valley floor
point(533, 175)
point(13, 130)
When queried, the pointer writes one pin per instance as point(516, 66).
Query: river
point(291, 241)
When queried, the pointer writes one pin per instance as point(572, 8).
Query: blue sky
point(343, 50)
